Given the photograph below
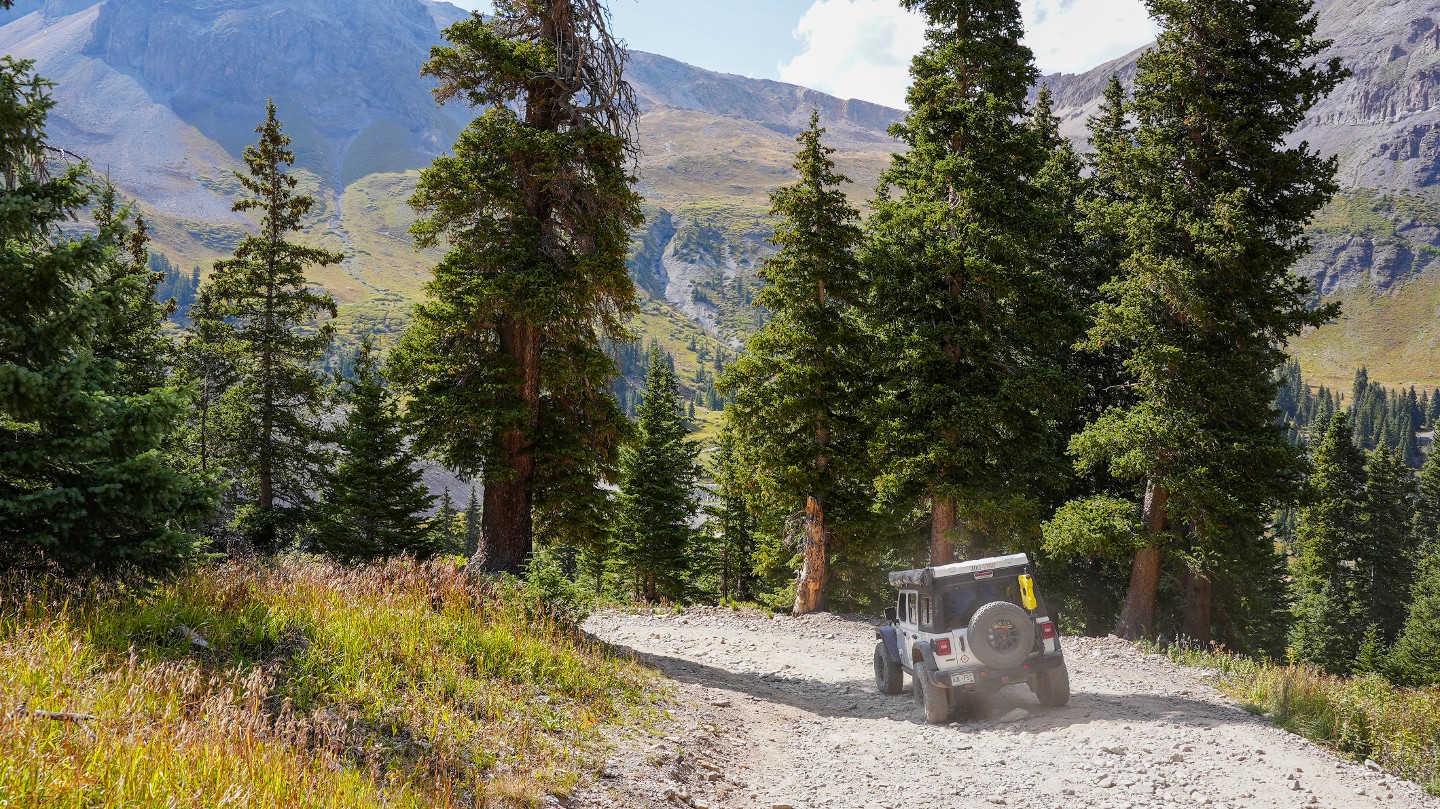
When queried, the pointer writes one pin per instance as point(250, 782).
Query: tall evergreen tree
point(969, 320)
point(731, 525)
point(1331, 525)
point(1425, 527)
point(798, 389)
point(446, 531)
point(375, 498)
point(84, 486)
point(135, 340)
point(1415, 658)
point(504, 359)
point(1386, 558)
point(658, 498)
point(473, 531)
point(1213, 205)
point(1330, 539)
point(203, 362)
point(272, 323)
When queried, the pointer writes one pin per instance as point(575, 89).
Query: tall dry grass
point(400, 685)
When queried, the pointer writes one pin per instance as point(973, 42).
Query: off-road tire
point(1053, 687)
point(889, 677)
point(934, 701)
point(1002, 635)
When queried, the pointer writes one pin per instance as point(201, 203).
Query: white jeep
point(969, 628)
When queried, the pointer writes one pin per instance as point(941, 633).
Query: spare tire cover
point(1002, 635)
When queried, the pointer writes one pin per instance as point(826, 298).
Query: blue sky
point(855, 48)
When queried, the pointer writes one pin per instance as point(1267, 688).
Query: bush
point(553, 593)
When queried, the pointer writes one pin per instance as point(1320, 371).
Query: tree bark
point(942, 530)
point(1198, 597)
point(1137, 617)
point(810, 589)
point(507, 521)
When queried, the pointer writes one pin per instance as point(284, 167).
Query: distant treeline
point(1393, 418)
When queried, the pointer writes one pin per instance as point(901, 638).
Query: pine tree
point(1425, 527)
point(970, 323)
point(1415, 658)
point(203, 363)
point(272, 332)
point(135, 340)
point(375, 498)
point(657, 492)
point(1385, 561)
point(505, 358)
point(444, 526)
point(84, 486)
point(1327, 633)
point(798, 390)
point(473, 532)
point(730, 525)
point(1330, 538)
point(1213, 205)
point(1331, 526)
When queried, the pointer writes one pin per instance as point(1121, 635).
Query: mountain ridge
point(164, 94)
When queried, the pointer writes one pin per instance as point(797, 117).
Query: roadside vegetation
point(1361, 717)
point(301, 683)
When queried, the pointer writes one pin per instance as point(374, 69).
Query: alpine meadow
point(409, 405)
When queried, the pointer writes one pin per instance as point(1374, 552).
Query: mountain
point(164, 95)
point(1376, 245)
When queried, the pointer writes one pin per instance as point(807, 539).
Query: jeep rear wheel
point(1002, 635)
point(1053, 687)
point(889, 677)
point(933, 700)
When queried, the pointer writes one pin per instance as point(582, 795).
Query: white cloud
point(1072, 36)
point(856, 49)
point(862, 48)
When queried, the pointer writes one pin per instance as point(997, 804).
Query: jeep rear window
point(958, 603)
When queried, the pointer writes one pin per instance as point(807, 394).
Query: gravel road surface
point(783, 712)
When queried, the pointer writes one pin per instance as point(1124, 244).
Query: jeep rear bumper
point(994, 678)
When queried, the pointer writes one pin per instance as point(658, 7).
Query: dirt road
point(783, 712)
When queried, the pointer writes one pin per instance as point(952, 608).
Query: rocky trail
point(783, 712)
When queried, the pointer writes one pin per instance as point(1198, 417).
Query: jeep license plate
point(963, 678)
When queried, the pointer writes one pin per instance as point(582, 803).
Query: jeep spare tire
point(1002, 635)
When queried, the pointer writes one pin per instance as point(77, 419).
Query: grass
point(1358, 717)
point(403, 685)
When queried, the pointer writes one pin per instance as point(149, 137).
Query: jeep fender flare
point(927, 655)
point(891, 638)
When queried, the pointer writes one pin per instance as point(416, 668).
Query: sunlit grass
point(1358, 717)
point(404, 685)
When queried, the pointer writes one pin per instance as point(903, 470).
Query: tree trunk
point(942, 530)
point(507, 522)
point(1198, 592)
point(810, 589)
point(1137, 617)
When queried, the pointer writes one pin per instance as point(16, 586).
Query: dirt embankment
point(783, 712)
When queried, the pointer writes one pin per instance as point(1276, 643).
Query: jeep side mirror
point(890, 614)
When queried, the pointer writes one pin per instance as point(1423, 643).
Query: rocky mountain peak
point(346, 75)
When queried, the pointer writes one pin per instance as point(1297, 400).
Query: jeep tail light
point(942, 647)
point(1047, 630)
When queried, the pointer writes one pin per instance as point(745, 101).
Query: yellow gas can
point(1027, 591)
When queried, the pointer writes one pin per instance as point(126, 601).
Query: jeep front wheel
point(1053, 687)
point(889, 677)
point(933, 700)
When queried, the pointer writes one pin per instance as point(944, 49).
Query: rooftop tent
point(924, 577)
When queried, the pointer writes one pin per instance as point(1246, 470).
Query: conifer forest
point(1014, 343)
